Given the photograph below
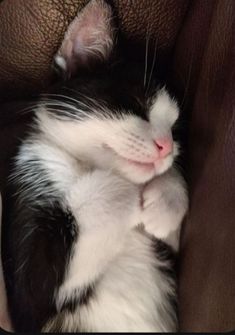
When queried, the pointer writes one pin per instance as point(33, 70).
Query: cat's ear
point(88, 40)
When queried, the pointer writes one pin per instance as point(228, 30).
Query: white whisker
point(146, 59)
point(152, 67)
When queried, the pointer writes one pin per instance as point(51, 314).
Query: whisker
point(60, 96)
point(188, 82)
point(21, 266)
point(152, 67)
point(76, 101)
point(68, 111)
point(30, 232)
point(28, 109)
point(101, 105)
point(146, 58)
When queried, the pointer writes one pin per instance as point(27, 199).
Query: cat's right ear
point(88, 40)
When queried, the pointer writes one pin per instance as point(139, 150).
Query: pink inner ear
point(89, 37)
point(69, 48)
point(78, 46)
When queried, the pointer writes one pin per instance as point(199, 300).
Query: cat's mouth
point(146, 166)
point(137, 171)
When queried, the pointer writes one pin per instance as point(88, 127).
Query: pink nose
point(164, 145)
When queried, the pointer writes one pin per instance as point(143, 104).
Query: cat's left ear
point(89, 39)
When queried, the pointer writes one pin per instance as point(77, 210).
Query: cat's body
point(93, 187)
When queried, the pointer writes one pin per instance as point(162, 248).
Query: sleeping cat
point(95, 203)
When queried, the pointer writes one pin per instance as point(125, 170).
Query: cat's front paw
point(164, 204)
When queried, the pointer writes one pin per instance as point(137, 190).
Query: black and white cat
point(96, 204)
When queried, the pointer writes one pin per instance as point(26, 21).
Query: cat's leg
point(164, 205)
point(105, 208)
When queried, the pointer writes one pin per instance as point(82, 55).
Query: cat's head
point(103, 113)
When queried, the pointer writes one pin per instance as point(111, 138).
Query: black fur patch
point(37, 244)
point(166, 254)
point(80, 297)
point(117, 87)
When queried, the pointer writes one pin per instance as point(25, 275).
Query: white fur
point(117, 144)
point(60, 61)
point(131, 295)
point(95, 167)
point(59, 168)
point(130, 292)
point(163, 110)
point(98, 204)
point(165, 203)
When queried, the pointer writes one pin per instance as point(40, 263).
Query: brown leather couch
point(195, 46)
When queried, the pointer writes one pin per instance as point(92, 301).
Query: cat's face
point(106, 118)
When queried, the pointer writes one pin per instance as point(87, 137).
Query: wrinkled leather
point(31, 31)
point(202, 74)
point(158, 19)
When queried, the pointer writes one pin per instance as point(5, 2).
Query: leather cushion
point(31, 31)
point(203, 73)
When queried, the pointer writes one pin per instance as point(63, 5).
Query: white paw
point(164, 205)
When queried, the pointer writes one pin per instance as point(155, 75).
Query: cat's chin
point(140, 173)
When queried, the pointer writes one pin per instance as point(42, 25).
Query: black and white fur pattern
point(92, 195)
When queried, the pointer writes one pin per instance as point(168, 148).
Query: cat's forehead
point(120, 88)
